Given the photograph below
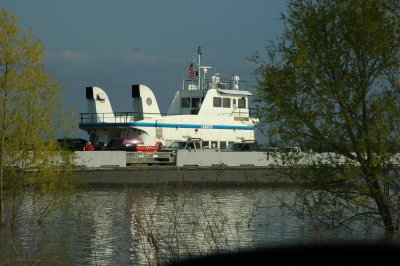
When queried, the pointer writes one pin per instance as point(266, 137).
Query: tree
point(331, 83)
point(30, 115)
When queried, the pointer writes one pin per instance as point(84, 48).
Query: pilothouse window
point(226, 102)
point(195, 102)
point(242, 103)
point(217, 102)
point(185, 102)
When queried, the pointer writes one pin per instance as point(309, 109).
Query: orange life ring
point(159, 145)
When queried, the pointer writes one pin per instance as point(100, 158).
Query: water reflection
point(171, 224)
point(146, 226)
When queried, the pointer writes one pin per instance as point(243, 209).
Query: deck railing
point(190, 84)
point(116, 117)
point(127, 117)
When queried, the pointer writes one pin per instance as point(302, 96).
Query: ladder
point(125, 132)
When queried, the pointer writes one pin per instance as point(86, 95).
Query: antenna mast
point(199, 68)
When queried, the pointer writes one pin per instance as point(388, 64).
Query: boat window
point(185, 102)
point(195, 102)
point(197, 145)
point(226, 102)
point(217, 102)
point(234, 102)
point(242, 103)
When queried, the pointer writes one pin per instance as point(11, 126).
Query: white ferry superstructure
point(214, 111)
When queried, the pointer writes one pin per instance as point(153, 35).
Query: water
point(125, 226)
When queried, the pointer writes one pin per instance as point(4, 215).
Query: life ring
point(159, 145)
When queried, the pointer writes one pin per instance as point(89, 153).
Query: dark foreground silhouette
point(321, 254)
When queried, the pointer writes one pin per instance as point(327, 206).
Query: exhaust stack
point(98, 106)
point(144, 103)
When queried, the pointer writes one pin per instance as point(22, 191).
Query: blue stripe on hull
point(141, 124)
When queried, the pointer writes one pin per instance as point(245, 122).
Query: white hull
point(218, 131)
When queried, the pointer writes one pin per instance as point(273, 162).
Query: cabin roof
point(236, 92)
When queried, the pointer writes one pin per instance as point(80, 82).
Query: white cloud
point(67, 56)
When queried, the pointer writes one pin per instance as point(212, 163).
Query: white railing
point(116, 117)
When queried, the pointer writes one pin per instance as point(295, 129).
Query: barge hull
point(172, 175)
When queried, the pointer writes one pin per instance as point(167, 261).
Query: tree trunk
point(382, 204)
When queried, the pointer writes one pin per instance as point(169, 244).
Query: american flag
point(191, 72)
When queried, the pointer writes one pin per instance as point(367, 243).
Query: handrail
point(233, 111)
point(121, 117)
point(251, 112)
point(208, 82)
point(125, 117)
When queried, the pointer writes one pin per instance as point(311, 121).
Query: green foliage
point(31, 112)
point(332, 84)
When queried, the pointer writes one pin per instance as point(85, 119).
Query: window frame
point(242, 103)
point(195, 102)
point(228, 101)
point(185, 102)
point(217, 102)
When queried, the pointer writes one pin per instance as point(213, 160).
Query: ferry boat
point(212, 110)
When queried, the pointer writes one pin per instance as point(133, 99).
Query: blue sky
point(114, 44)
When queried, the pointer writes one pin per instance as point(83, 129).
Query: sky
point(115, 44)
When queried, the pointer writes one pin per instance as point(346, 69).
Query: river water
point(135, 226)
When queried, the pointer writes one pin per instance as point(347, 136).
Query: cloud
point(67, 56)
